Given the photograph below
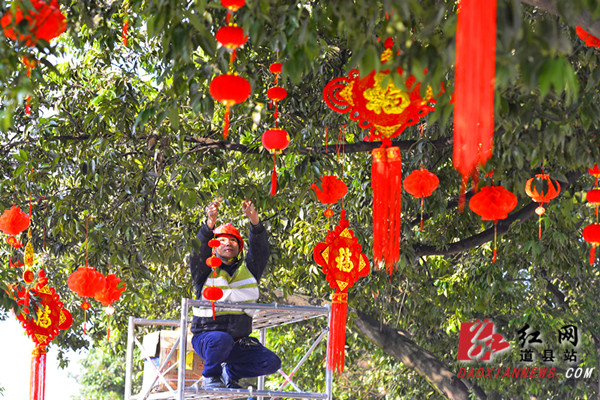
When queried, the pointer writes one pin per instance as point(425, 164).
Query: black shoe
point(213, 382)
point(230, 383)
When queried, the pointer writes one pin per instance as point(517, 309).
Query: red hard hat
point(230, 230)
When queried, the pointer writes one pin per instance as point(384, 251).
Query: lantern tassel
point(462, 194)
point(337, 333)
point(495, 237)
point(274, 177)
point(593, 254)
point(395, 182)
point(108, 330)
point(37, 386)
point(380, 187)
point(540, 227)
point(213, 310)
point(226, 122)
point(421, 214)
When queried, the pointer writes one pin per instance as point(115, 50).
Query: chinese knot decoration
point(12, 222)
point(230, 89)
point(386, 112)
point(275, 140)
point(591, 233)
point(43, 327)
point(330, 191)
point(44, 21)
point(343, 263)
point(213, 293)
point(112, 291)
point(474, 89)
point(493, 203)
point(535, 189)
point(589, 39)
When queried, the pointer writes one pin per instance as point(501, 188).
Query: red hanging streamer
point(386, 175)
point(274, 176)
point(474, 87)
point(337, 332)
point(37, 380)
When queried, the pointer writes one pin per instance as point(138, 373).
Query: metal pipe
point(129, 358)
point(303, 360)
point(182, 349)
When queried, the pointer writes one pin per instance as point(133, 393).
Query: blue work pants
point(244, 358)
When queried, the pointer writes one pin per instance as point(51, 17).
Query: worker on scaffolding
point(223, 342)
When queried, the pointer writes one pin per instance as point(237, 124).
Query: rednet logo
point(478, 341)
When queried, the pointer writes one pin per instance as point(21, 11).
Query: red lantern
point(229, 89)
point(233, 5)
point(386, 112)
point(276, 93)
point(343, 263)
point(86, 282)
point(276, 69)
point(535, 189)
point(275, 141)
point(591, 234)
point(493, 203)
point(111, 293)
point(231, 36)
point(589, 39)
point(595, 172)
point(593, 196)
point(14, 221)
point(332, 189)
point(421, 183)
point(474, 88)
point(44, 22)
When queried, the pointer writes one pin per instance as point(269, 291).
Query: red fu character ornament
point(42, 328)
point(343, 263)
point(493, 203)
point(386, 112)
point(535, 189)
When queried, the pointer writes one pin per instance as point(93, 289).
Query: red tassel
point(540, 227)
point(213, 310)
point(380, 187)
point(226, 123)
point(421, 214)
point(37, 380)
point(474, 87)
point(592, 254)
point(394, 207)
point(108, 330)
point(337, 333)
point(495, 236)
point(124, 35)
point(274, 178)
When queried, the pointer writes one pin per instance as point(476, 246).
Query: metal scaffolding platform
point(265, 316)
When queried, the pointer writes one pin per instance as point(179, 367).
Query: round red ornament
point(493, 203)
point(86, 282)
point(44, 22)
point(112, 290)
point(276, 68)
point(233, 5)
point(276, 93)
point(231, 36)
point(213, 262)
point(275, 140)
point(229, 89)
point(421, 183)
point(212, 293)
point(535, 189)
point(14, 221)
point(332, 189)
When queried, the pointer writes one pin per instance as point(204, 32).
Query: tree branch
point(583, 19)
point(503, 226)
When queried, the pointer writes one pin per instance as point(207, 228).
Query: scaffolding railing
point(265, 316)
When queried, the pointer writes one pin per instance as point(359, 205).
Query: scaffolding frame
point(266, 316)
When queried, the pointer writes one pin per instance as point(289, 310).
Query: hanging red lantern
point(213, 293)
point(276, 68)
point(343, 263)
point(275, 141)
point(86, 282)
point(44, 21)
point(112, 291)
point(386, 112)
point(474, 88)
point(229, 89)
point(593, 196)
point(535, 189)
point(231, 36)
point(233, 5)
point(591, 234)
point(589, 39)
point(421, 183)
point(595, 172)
point(276, 93)
point(332, 189)
point(12, 222)
point(493, 203)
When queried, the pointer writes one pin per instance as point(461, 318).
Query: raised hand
point(212, 211)
point(250, 212)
